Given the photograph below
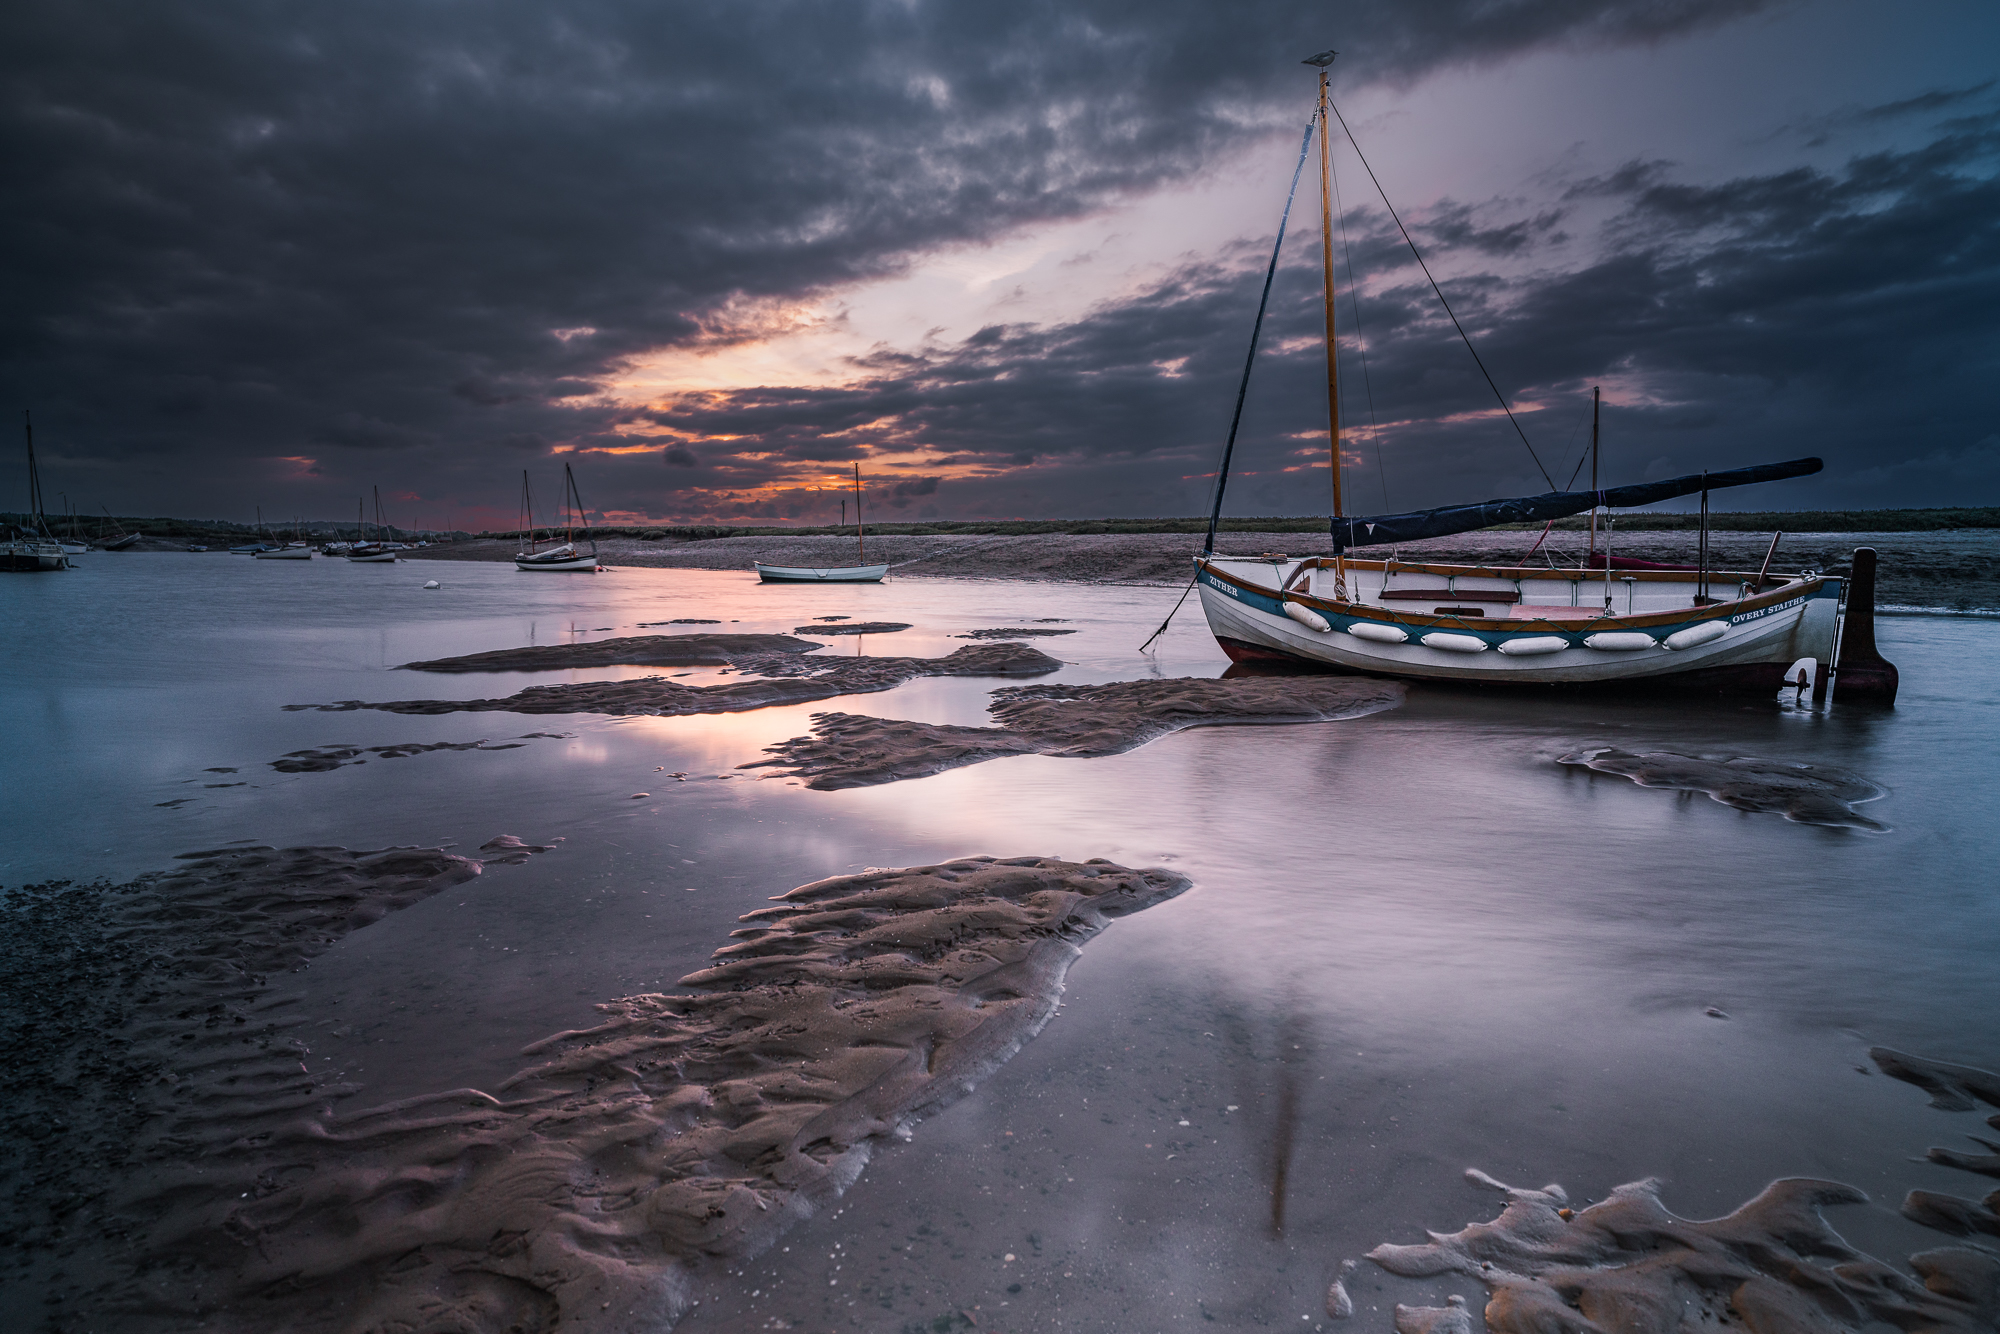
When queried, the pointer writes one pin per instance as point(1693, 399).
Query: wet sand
point(1773, 1266)
point(1013, 632)
point(585, 1192)
point(322, 759)
point(696, 650)
point(142, 1027)
point(851, 750)
point(1805, 793)
point(1951, 570)
point(783, 678)
point(853, 628)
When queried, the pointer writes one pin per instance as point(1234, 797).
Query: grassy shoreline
point(1745, 521)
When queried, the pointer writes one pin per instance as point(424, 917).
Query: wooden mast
point(860, 538)
point(1595, 400)
point(1332, 363)
point(1326, 261)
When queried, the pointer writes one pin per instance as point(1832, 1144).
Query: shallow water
point(1416, 942)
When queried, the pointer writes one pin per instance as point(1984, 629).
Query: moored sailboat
point(1731, 631)
point(371, 551)
point(862, 573)
point(118, 539)
point(564, 555)
point(295, 549)
point(31, 547)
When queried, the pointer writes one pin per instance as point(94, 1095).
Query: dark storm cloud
point(407, 241)
point(1924, 103)
point(1847, 314)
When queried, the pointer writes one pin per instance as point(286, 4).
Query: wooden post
point(1865, 676)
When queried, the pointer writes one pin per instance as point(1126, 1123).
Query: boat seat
point(1449, 595)
point(1536, 611)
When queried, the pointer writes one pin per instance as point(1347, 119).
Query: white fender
point(1530, 645)
point(1696, 635)
point(1380, 634)
point(1620, 641)
point(1307, 617)
point(1451, 643)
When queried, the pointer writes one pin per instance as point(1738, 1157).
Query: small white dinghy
point(564, 557)
point(805, 574)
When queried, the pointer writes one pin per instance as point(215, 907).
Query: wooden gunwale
point(1445, 571)
point(1521, 624)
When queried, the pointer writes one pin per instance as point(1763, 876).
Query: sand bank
point(784, 678)
point(851, 750)
point(140, 1027)
point(853, 627)
point(1626, 1265)
point(696, 650)
point(325, 758)
point(1805, 793)
point(1014, 632)
point(585, 1192)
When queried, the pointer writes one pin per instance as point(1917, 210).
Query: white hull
point(567, 563)
point(286, 553)
point(32, 555)
point(804, 574)
point(375, 558)
point(1522, 625)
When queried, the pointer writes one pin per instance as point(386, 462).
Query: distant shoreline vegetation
point(1749, 521)
point(87, 528)
point(1799, 521)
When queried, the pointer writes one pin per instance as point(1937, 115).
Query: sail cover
point(1361, 532)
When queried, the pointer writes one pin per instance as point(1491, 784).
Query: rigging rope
point(1243, 388)
point(1256, 330)
point(1581, 458)
point(1441, 301)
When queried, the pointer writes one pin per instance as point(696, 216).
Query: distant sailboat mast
point(1596, 398)
point(860, 538)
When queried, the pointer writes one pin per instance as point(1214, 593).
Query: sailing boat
point(1708, 629)
point(366, 550)
point(70, 543)
point(33, 547)
point(266, 540)
point(564, 556)
point(863, 573)
point(119, 539)
point(295, 549)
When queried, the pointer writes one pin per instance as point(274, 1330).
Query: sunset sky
point(1006, 256)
